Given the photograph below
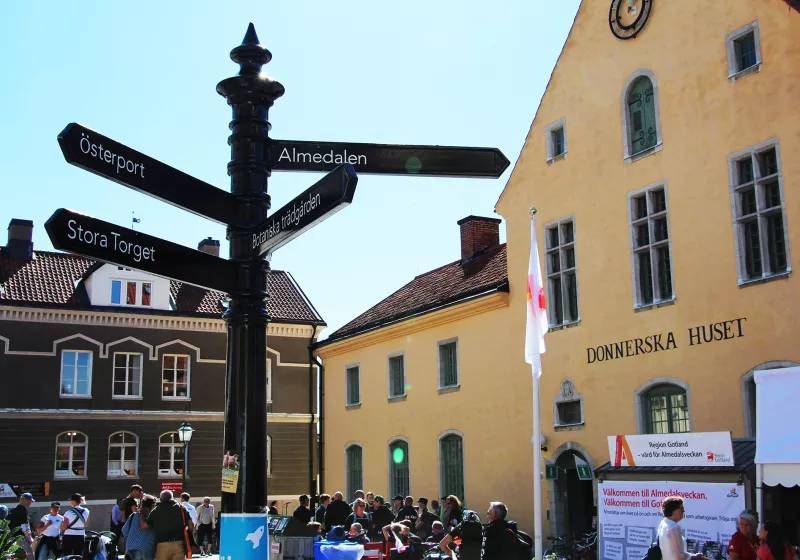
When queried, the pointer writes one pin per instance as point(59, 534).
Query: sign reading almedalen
point(331, 157)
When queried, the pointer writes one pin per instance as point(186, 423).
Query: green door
point(453, 466)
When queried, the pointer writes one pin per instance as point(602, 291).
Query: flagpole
point(537, 463)
point(536, 369)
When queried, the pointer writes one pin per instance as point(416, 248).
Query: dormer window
point(131, 292)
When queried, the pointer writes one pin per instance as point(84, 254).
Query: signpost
point(103, 156)
point(315, 204)
point(78, 233)
point(389, 159)
point(253, 234)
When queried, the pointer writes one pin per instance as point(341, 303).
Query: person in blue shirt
point(140, 540)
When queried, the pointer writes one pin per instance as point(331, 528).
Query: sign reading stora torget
point(389, 159)
point(103, 156)
point(78, 233)
point(317, 203)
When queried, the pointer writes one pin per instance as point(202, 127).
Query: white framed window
point(641, 121)
point(269, 456)
point(397, 375)
point(562, 272)
point(127, 375)
point(175, 377)
point(568, 406)
point(171, 459)
point(556, 141)
point(663, 406)
point(76, 373)
point(743, 48)
point(353, 385)
point(448, 363)
point(131, 292)
point(759, 213)
point(651, 246)
point(71, 451)
point(123, 455)
point(269, 381)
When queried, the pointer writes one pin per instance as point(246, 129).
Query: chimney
point(210, 246)
point(20, 240)
point(478, 234)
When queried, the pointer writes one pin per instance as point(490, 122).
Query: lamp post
point(185, 435)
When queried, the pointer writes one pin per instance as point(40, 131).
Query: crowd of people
point(144, 527)
point(446, 525)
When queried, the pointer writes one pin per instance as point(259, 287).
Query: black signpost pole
point(250, 95)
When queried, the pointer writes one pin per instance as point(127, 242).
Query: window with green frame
point(448, 364)
point(642, 125)
point(353, 388)
point(667, 410)
point(355, 469)
point(399, 476)
point(452, 465)
point(397, 376)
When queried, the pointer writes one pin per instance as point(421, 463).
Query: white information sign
point(6, 491)
point(693, 449)
point(631, 511)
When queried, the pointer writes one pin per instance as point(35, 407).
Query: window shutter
point(400, 474)
point(642, 115)
point(448, 365)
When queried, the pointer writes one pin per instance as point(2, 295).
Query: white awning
point(777, 436)
point(782, 474)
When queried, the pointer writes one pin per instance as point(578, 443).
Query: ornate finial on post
point(532, 210)
point(251, 55)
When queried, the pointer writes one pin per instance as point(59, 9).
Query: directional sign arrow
point(389, 159)
point(317, 203)
point(103, 156)
point(84, 235)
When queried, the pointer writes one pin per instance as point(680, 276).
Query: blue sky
point(144, 73)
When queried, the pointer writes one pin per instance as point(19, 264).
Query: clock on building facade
point(627, 18)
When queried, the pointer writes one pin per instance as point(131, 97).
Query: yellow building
point(668, 204)
point(660, 163)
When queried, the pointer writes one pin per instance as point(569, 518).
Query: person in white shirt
point(670, 538)
point(50, 528)
point(74, 527)
point(185, 497)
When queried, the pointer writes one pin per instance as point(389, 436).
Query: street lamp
point(185, 435)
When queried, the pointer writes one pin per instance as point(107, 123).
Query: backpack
point(524, 545)
point(654, 552)
point(471, 528)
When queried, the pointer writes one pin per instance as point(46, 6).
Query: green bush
point(8, 541)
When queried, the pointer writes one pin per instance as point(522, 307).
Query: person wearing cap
point(381, 517)
point(18, 518)
point(50, 529)
point(302, 513)
point(424, 525)
point(74, 527)
point(397, 504)
point(408, 511)
point(337, 512)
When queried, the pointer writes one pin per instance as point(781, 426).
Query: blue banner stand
point(243, 536)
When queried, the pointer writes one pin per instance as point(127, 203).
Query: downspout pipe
point(321, 440)
point(312, 487)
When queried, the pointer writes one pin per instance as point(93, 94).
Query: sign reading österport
point(103, 156)
point(694, 449)
point(323, 199)
point(389, 159)
point(81, 234)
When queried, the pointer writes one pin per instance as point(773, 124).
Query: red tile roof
point(55, 278)
point(449, 284)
